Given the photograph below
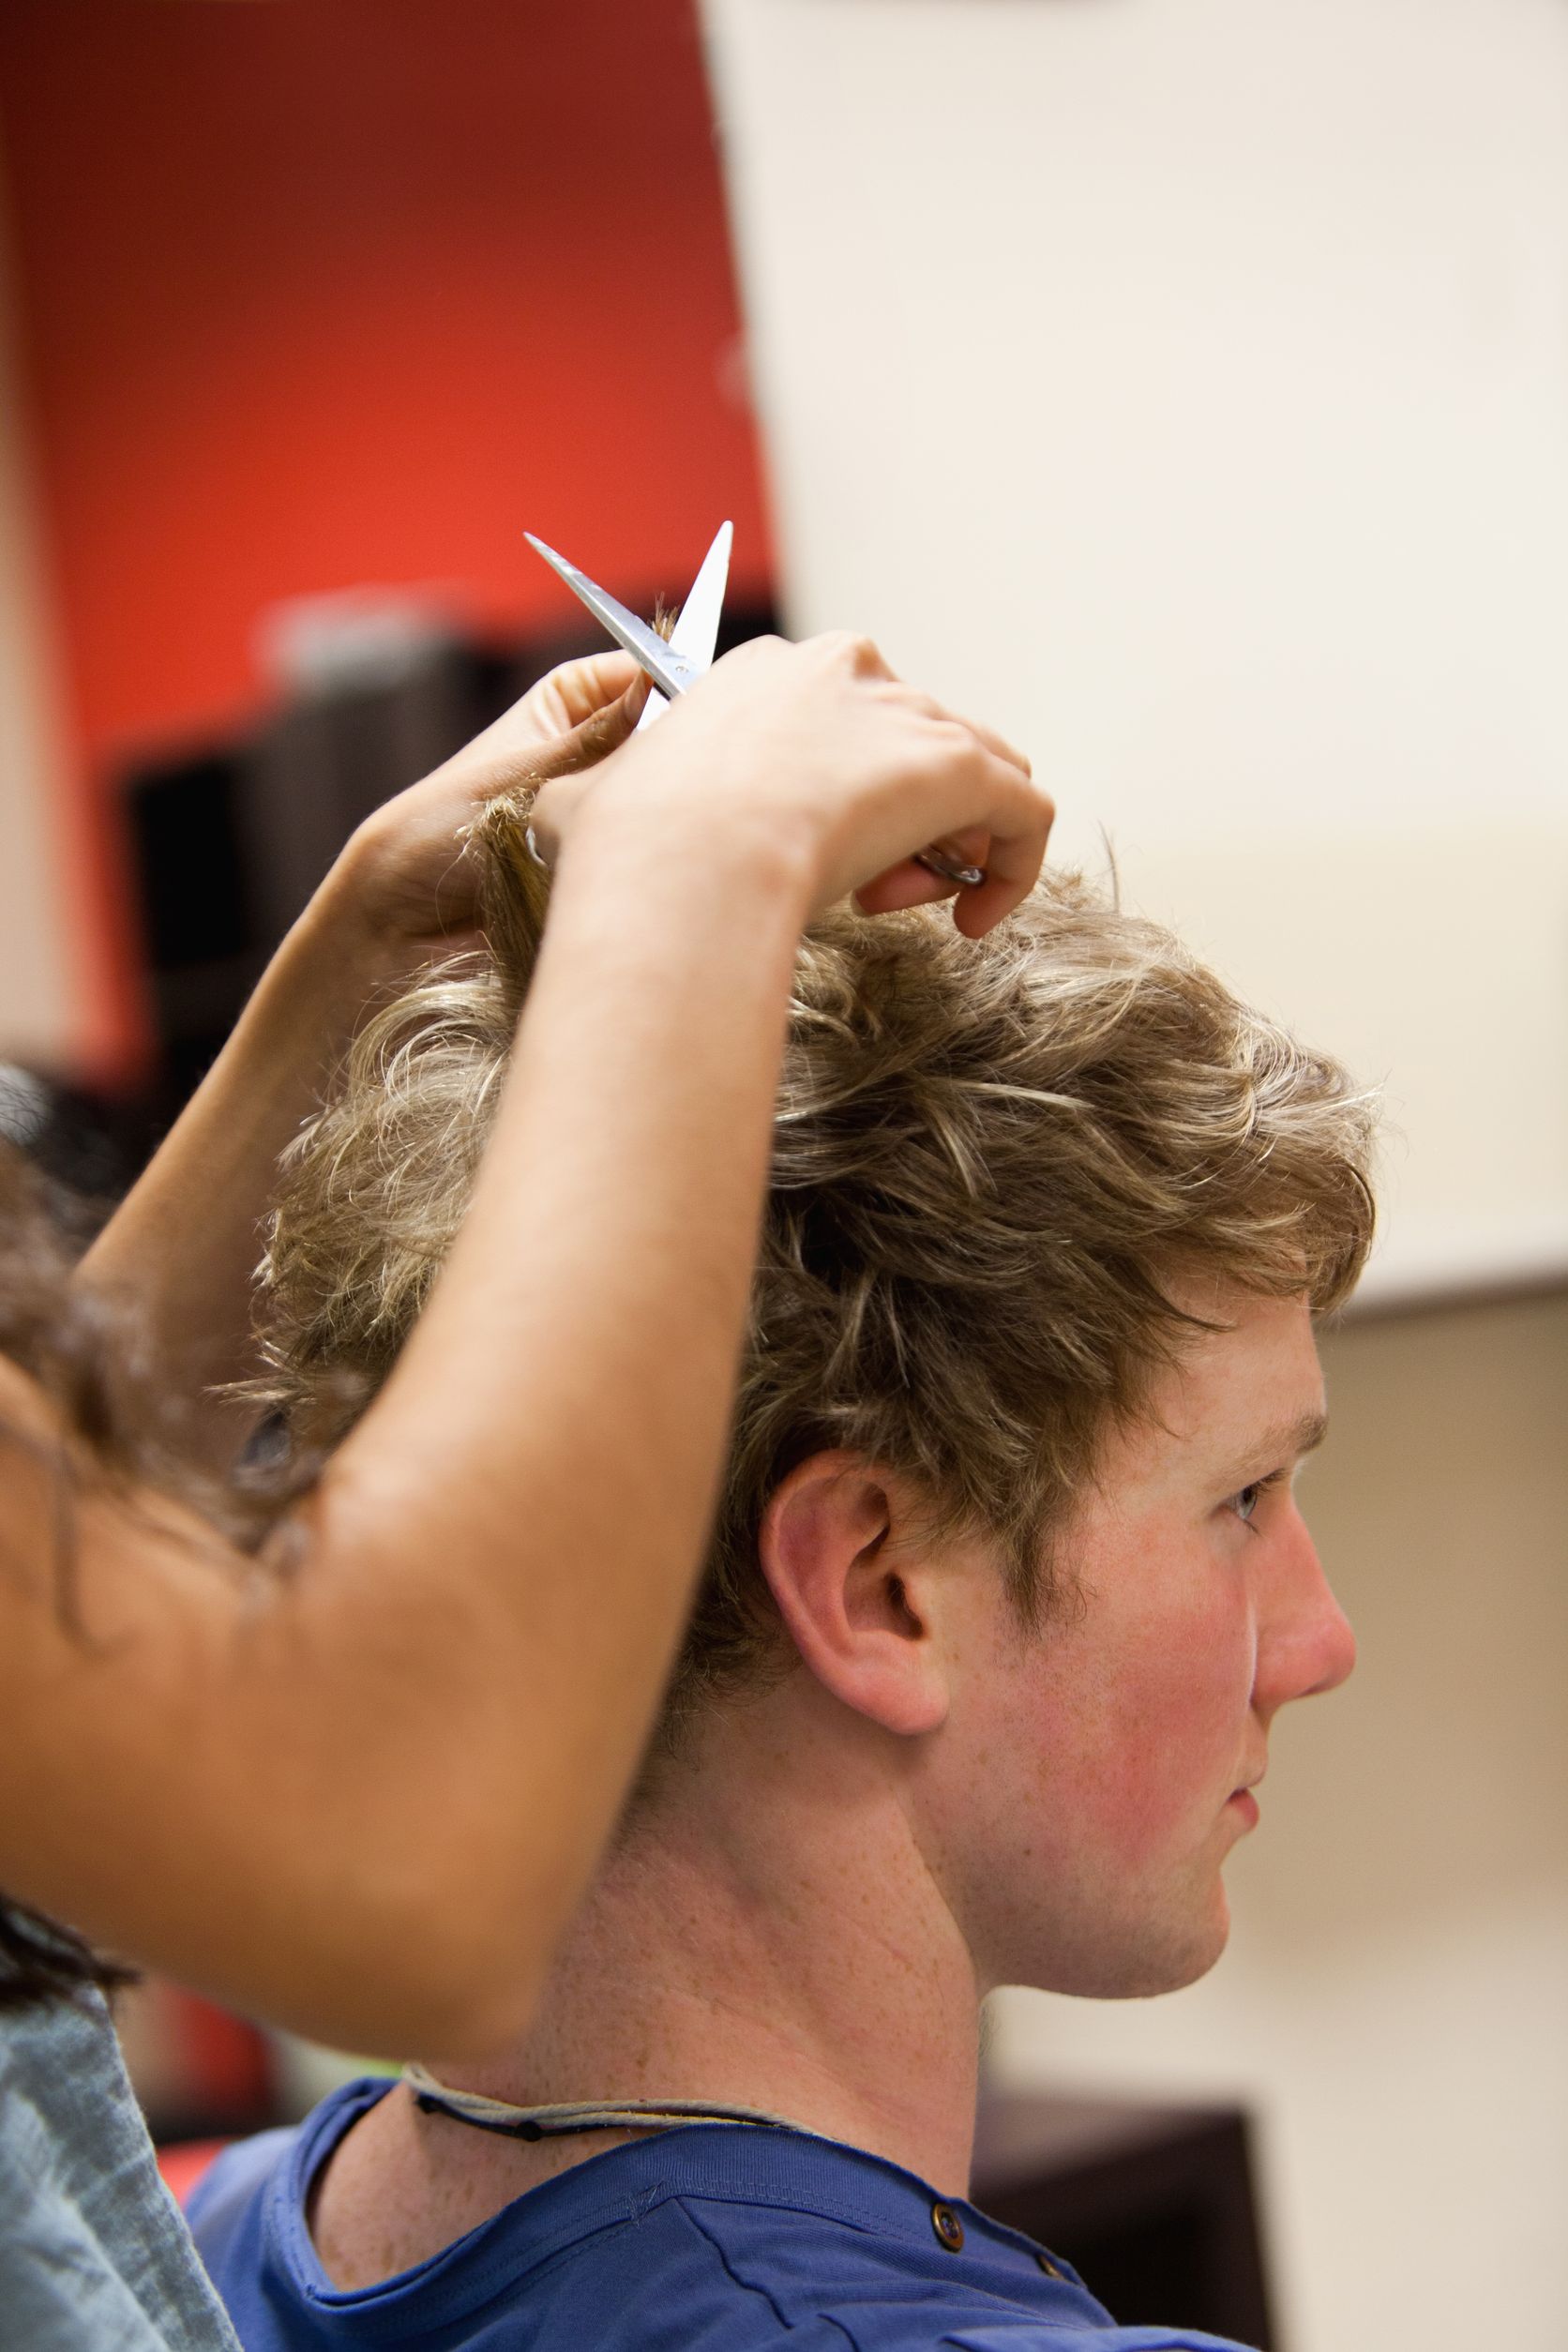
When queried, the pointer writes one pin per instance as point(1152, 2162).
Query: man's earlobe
point(835, 1551)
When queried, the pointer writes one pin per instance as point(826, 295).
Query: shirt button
point(949, 2229)
point(1047, 2266)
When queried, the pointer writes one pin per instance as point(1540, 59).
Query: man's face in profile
point(1090, 1779)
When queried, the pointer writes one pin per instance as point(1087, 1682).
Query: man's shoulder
point(711, 2239)
point(913, 2273)
point(722, 2236)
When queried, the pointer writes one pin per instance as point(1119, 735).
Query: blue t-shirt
point(715, 2237)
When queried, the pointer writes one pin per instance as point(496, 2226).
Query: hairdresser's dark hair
point(65, 1342)
point(42, 1961)
point(116, 1435)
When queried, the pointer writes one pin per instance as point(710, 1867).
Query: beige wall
point(1183, 387)
point(1394, 2002)
point(39, 987)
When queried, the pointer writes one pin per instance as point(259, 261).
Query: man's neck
point(781, 1950)
point(764, 1935)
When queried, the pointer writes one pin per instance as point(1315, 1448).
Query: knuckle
point(752, 653)
point(951, 744)
point(849, 649)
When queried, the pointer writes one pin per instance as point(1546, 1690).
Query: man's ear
point(838, 1549)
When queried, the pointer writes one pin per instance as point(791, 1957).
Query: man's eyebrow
point(1282, 1442)
point(1287, 1440)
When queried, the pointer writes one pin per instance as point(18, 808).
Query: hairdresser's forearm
point(181, 1249)
point(365, 1799)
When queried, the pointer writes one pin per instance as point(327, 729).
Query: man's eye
point(1245, 1503)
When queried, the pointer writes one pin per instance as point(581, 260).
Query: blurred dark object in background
point(90, 1145)
point(1155, 2205)
point(229, 840)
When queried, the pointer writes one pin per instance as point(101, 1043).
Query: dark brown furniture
point(1156, 2206)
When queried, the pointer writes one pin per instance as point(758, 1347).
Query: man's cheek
point(1174, 1749)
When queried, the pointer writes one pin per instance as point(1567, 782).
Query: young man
point(1007, 1588)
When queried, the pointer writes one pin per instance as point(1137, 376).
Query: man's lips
point(1244, 1803)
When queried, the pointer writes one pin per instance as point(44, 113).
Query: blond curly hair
point(991, 1159)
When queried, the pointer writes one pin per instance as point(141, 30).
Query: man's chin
point(1153, 1955)
point(1191, 1956)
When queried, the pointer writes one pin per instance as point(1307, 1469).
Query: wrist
point(352, 936)
point(739, 853)
point(326, 968)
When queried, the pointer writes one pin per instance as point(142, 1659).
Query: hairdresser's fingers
point(956, 774)
point(604, 728)
point(576, 689)
point(555, 804)
point(522, 761)
point(947, 781)
point(603, 694)
point(909, 884)
point(851, 649)
point(929, 707)
point(1012, 869)
point(902, 886)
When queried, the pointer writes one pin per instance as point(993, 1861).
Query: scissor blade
point(696, 633)
point(669, 669)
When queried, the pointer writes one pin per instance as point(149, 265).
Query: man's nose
point(1305, 1644)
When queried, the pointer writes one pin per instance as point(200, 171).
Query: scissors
point(673, 665)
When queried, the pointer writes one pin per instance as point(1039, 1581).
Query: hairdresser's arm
point(180, 1251)
point(363, 1796)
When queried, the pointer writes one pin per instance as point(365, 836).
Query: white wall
point(1394, 2001)
point(1184, 385)
point(40, 1014)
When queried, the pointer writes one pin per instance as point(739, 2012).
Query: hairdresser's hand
point(405, 883)
point(816, 747)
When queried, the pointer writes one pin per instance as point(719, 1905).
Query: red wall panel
point(317, 293)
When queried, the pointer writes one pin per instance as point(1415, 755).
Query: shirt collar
point(786, 2170)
